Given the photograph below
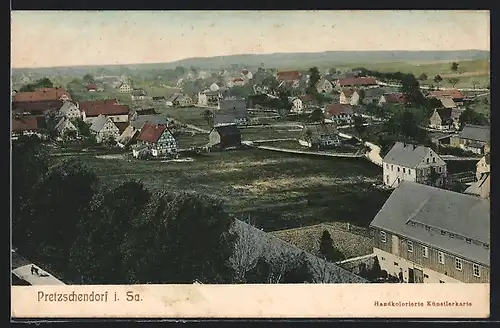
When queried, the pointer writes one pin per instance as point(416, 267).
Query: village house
point(481, 187)
point(70, 110)
point(393, 98)
point(324, 86)
point(138, 94)
point(319, 136)
point(130, 134)
point(291, 78)
point(137, 112)
point(108, 107)
point(455, 95)
point(91, 87)
point(483, 166)
point(455, 117)
point(441, 119)
point(216, 86)
point(236, 82)
point(25, 125)
point(447, 102)
point(296, 105)
point(356, 82)
point(473, 138)
point(409, 162)
point(246, 75)
point(180, 100)
point(224, 137)
point(424, 234)
point(66, 129)
point(209, 98)
point(372, 96)
point(158, 100)
point(260, 89)
point(155, 140)
point(231, 110)
point(349, 96)
point(104, 129)
point(339, 113)
point(40, 101)
point(124, 87)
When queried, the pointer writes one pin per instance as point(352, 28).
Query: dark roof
point(337, 109)
point(24, 123)
point(373, 92)
point(224, 117)
point(122, 126)
point(230, 135)
point(151, 132)
point(444, 114)
point(408, 155)
point(145, 111)
point(236, 105)
point(395, 98)
point(358, 81)
point(91, 86)
point(96, 109)
point(36, 106)
point(348, 92)
point(453, 212)
point(475, 133)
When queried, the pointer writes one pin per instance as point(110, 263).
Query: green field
point(278, 191)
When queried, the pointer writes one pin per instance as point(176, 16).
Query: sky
point(65, 38)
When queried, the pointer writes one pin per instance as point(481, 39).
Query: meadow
point(277, 191)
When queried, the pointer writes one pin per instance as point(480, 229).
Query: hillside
point(281, 60)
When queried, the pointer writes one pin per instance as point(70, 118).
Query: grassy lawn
point(278, 191)
point(189, 115)
point(265, 133)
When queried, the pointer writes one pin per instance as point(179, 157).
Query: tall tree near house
point(423, 77)
point(454, 67)
point(87, 78)
point(328, 250)
point(470, 116)
point(208, 115)
point(317, 115)
point(314, 77)
point(433, 177)
point(438, 79)
point(453, 81)
point(410, 87)
point(359, 126)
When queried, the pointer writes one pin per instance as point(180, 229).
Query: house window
point(425, 251)
point(475, 270)
point(404, 170)
point(452, 235)
point(409, 171)
point(426, 276)
point(458, 264)
point(434, 160)
point(396, 264)
point(398, 169)
point(439, 169)
point(383, 237)
point(387, 179)
point(427, 228)
point(441, 282)
point(441, 257)
point(392, 167)
point(469, 241)
point(386, 166)
point(427, 161)
point(486, 246)
point(410, 246)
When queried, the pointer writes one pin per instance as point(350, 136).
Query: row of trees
point(41, 83)
point(125, 234)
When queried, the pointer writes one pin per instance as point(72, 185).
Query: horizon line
point(247, 54)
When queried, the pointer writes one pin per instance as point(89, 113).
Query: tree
point(454, 67)
point(470, 116)
point(359, 126)
point(87, 78)
point(411, 89)
point(28, 88)
point(179, 238)
point(317, 115)
point(453, 81)
point(423, 77)
point(328, 250)
point(208, 115)
point(58, 202)
point(314, 77)
point(438, 79)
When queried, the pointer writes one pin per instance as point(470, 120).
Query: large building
point(473, 138)
point(409, 162)
point(424, 234)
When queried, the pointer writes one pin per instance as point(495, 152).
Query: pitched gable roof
point(445, 115)
point(337, 109)
point(67, 106)
point(447, 102)
point(454, 94)
point(151, 132)
point(43, 94)
point(307, 97)
point(99, 122)
point(359, 81)
point(24, 123)
point(289, 76)
point(348, 92)
point(394, 98)
point(475, 132)
point(105, 107)
point(404, 154)
point(440, 209)
point(373, 92)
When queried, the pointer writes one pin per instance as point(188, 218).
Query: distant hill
point(280, 60)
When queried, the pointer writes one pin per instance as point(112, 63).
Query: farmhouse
point(124, 87)
point(408, 162)
point(441, 119)
point(209, 98)
point(66, 129)
point(339, 113)
point(392, 99)
point(319, 136)
point(138, 94)
point(43, 94)
point(26, 125)
point(70, 110)
point(289, 78)
point(224, 137)
point(156, 140)
point(180, 100)
point(359, 82)
point(372, 96)
point(231, 107)
point(447, 102)
point(130, 134)
point(91, 87)
point(454, 94)
point(108, 107)
point(429, 235)
point(474, 138)
point(349, 96)
point(136, 112)
point(324, 86)
point(104, 129)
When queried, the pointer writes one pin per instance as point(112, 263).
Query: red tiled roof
point(337, 109)
point(24, 123)
point(306, 98)
point(348, 92)
point(91, 86)
point(105, 107)
point(36, 106)
point(151, 132)
point(394, 98)
point(358, 81)
point(454, 94)
point(289, 76)
point(43, 94)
